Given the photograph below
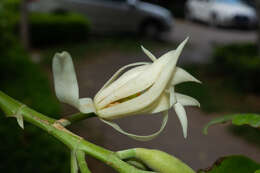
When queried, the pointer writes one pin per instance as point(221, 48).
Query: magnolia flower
point(147, 88)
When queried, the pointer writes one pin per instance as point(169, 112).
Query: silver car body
point(222, 12)
point(111, 15)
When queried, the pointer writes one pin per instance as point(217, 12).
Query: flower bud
point(161, 162)
point(156, 160)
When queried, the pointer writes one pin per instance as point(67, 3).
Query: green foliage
point(30, 150)
point(233, 164)
point(241, 63)
point(252, 120)
point(247, 133)
point(48, 29)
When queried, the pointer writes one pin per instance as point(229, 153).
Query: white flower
point(146, 88)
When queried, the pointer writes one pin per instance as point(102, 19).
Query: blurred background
point(103, 35)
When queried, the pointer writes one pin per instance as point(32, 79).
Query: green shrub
point(48, 29)
point(241, 63)
point(29, 150)
point(35, 151)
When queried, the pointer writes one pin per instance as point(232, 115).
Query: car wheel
point(60, 11)
point(188, 15)
point(150, 30)
point(214, 20)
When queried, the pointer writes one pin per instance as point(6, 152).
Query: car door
point(199, 8)
point(104, 15)
point(206, 10)
point(113, 15)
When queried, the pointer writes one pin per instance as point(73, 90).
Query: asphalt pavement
point(203, 38)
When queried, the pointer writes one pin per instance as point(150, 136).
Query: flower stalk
point(74, 142)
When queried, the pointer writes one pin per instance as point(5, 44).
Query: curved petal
point(115, 76)
point(181, 114)
point(172, 96)
point(182, 76)
point(65, 80)
point(138, 137)
point(161, 105)
point(135, 85)
point(149, 54)
point(186, 100)
point(113, 87)
point(86, 106)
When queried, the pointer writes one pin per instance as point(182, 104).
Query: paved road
point(203, 38)
point(197, 150)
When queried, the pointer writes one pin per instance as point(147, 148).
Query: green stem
point(73, 162)
point(82, 162)
point(126, 154)
point(137, 164)
point(76, 118)
point(74, 142)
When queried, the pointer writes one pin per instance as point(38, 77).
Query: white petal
point(114, 77)
point(186, 100)
point(138, 137)
point(172, 96)
point(136, 85)
point(166, 65)
point(149, 97)
point(181, 113)
point(182, 76)
point(149, 54)
point(65, 80)
point(86, 105)
point(147, 78)
point(180, 47)
point(162, 104)
point(113, 87)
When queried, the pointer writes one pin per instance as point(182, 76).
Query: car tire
point(188, 15)
point(60, 11)
point(214, 20)
point(150, 29)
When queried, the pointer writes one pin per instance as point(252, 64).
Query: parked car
point(222, 12)
point(114, 15)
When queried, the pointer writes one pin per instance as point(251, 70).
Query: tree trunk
point(24, 32)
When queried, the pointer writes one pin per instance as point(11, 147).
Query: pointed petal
point(65, 80)
point(138, 137)
point(113, 87)
point(133, 86)
point(181, 113)
point(186, 100)
point(172, 96)
point(149, 54)
point(86, 105)
point(114, 77)
point(182, 76)
point(180, 47)
point(161, 105)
